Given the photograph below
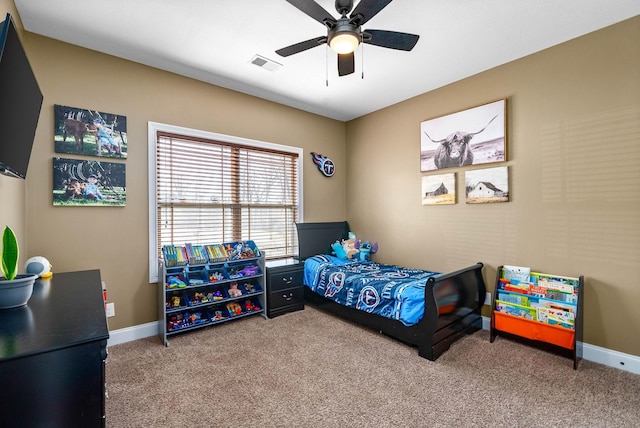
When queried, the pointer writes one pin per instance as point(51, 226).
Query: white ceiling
point(215, 41)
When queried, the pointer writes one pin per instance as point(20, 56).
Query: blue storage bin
point(243, 270)
point(197, 275)
point(241, 250)
point(216, 274)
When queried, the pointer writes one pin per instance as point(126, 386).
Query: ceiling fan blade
point(391, 39)
point(346, 64)
point(302, 46)
point(367, 9)
point(314, 10)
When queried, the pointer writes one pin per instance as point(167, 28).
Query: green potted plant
point(15, 289)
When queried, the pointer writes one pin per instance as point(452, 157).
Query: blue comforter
point(390, 291)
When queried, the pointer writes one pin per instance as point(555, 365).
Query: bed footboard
point(458, 297)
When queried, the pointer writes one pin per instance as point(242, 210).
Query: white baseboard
point(486, 323)
point(608, 357)
point(136, 332)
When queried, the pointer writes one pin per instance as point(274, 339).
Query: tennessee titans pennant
point(325, 165)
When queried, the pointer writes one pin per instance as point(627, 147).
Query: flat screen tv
point(20, 103)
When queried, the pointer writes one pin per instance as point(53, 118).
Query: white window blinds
point(212, 191)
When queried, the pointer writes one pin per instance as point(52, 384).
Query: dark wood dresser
point(285, 289)
point(53, 353)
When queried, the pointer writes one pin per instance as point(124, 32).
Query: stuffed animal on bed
point(349, 246)
point(366, 249)
point(338, 250)
point(353, 248)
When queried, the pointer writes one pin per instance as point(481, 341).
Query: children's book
point(518, 273)
point(516, 310)
point(554, 316)
point(513, 298)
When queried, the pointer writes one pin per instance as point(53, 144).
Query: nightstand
point(285, 292)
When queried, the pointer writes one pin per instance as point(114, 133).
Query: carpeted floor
point(310, 369)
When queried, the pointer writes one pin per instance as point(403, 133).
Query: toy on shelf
point(199, 298)
point(249, 306)
point(196, 318)
point(175, 301)
point(175, 281)
point(249, 270)
point(234, 308)
point(176, 322)
point(215, 276)
point(234, 291)
point(241, 250)
point(196, 281)
point(249, 287)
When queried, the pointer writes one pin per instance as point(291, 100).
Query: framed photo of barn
point(439, 189)
point(82, 131)
point(88, 183)
point(469, 137)
point(489, 185)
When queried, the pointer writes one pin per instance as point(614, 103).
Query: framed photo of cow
point(82, 131)
point(469, 137)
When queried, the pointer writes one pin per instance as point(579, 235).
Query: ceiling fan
point(344, 34)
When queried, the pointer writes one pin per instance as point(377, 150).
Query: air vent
point(265, 63)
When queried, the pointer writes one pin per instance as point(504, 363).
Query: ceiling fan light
point(344, 42)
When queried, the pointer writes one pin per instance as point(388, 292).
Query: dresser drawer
point(284, 280)
point(286, 297)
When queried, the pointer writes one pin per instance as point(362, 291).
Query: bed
point(452, 300)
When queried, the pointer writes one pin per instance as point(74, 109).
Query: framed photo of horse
point(469, 137)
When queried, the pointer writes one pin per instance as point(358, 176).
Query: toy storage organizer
point(206, 285)
point(543, 310)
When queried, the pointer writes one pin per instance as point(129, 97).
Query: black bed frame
point(439, 327)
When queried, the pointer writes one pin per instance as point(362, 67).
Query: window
point(210, 188)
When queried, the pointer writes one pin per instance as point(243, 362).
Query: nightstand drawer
point(286, 297)
point(284, 280)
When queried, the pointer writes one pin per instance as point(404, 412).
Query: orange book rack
point(549, 316)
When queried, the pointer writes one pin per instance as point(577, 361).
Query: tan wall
point(574, 150)
point(113, 239)
point(12, 213)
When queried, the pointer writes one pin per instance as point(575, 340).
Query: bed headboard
point(316, 238)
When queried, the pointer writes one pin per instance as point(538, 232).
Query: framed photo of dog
point(82, 131)
point(468, 137)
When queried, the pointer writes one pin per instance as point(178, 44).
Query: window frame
point(153, 129)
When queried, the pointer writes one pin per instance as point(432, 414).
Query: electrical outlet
point(487, 299)
point(110, 309)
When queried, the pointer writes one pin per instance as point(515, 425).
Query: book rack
point(539, 309)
